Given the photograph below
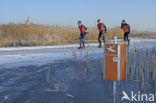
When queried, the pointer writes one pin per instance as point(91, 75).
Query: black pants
point(101, 34)
point(126, 36)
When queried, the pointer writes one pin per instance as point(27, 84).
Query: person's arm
point(105, 28)
point(85, 30)
point(129, 28)
point(121, 25)
point(85, 27)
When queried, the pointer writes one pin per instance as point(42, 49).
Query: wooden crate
point(114, 61)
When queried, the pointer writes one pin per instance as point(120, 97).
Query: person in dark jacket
point(126, 30)
point(102, 30)
point(83, 33)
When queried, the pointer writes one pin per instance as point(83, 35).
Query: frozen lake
point(63, 74)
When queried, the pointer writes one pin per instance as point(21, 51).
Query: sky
point(139, 14)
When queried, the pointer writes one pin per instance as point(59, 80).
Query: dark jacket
point(125, 27)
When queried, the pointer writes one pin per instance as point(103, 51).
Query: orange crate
point(114, 61)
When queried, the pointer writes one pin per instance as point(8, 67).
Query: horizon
point(138, 14)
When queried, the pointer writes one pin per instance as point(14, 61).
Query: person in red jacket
point(83, 33)
point(126, 30)
point(102, 30)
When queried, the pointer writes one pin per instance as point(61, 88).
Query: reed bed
point(141, 64)
point(44, 35)
point(152, 66)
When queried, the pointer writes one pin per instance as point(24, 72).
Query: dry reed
point(44, 35)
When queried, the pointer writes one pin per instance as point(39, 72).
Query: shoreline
point(132, 40)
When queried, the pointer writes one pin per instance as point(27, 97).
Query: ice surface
point(24, 56)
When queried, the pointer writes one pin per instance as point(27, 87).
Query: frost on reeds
point(84, 73)
point(135, 51)
point(128, 62)
point(49, 75)
point(152, 68)
point(86, 67)
point(88, 64)
point(84, 63)
point(151, 61)
point(81, 66)
point(141, 60)
point(142, 69)
point(101, 65)
point(75, 56)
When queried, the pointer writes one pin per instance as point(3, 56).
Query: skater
point(83, 33)
point(126, 30)
point(102, 31)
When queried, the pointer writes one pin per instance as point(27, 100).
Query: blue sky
point(140, 14)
